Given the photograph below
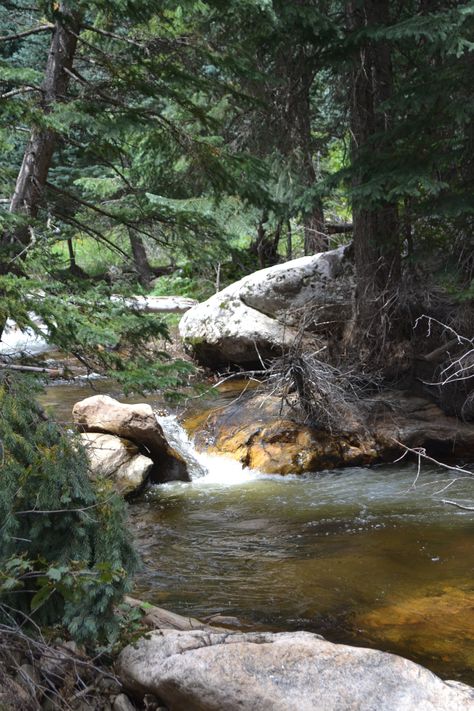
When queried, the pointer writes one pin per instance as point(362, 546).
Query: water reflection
point(353, 554)
point(356, 555)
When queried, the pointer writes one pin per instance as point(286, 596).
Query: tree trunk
point(31, 181)
point(266, 243)
point(375, 228)
point(140, 259)
point(315, 238)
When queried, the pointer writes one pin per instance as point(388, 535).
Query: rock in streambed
point(263, 432)
point(138, 426)
point(259, 316)
point(202, 670)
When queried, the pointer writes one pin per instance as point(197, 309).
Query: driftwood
point(157, 304)
point(159, 619)
point(53, 372)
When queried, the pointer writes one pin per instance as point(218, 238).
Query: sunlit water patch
point(357, 555)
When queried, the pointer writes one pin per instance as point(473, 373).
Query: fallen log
point(159, 619)
point(53, 372)
point(156, 304)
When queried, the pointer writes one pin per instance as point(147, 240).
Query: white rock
point(117, 458)
point(138, 423)
point(255, 317)
point(292, 671)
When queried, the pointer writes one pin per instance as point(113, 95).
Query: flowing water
point(357, 555)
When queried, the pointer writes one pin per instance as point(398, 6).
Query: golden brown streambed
point(354, 554)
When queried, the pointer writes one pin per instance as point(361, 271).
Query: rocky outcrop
point(292, 671)
point(262, 433)
point(117, 459)
point(256, 317)
point(137, 423)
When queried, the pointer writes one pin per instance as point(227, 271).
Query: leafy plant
point(65, 552)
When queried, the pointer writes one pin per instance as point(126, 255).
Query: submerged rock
point(118, 459)
point(138, 423)
point(291, 671)
point(255, 317)
point(414, 622)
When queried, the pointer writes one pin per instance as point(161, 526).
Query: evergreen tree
point(65, 552)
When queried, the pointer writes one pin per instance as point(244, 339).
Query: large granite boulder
point(202, 670)
point(137, 423)
point(257, 316)
point(117, 459)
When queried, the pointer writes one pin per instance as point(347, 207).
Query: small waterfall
point(179, 440)
point(212, 469)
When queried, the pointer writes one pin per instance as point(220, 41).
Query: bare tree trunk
point(140, 258)
point(315, 239)
point(266, 243)
point(289, 241)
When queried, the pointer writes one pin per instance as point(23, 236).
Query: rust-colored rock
point(261, 432)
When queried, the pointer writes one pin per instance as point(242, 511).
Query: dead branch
point(458, 505)
point(26, 33)
point(434, 355)
point(114, 36)
point(53, 372)
point(421, 452)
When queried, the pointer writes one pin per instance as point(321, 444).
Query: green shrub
point(65, 553)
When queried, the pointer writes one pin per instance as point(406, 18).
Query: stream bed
point(350, 554)
point(358, 555)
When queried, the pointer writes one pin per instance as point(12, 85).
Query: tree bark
point(140, 259)
point(31, 181)
point(315, 238)
point(266, 243)
point(375, 228)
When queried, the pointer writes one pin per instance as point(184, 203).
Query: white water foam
point(224, 471)
point(206, 469)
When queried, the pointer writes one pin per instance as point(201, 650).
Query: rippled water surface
point(354, 554)
point(357, 555)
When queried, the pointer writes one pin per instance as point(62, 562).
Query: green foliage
point(65, 553)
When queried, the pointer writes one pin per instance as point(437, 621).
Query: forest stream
point(358, 555)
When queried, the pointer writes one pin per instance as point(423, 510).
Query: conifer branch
point(26, 33)
point(112, 35)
